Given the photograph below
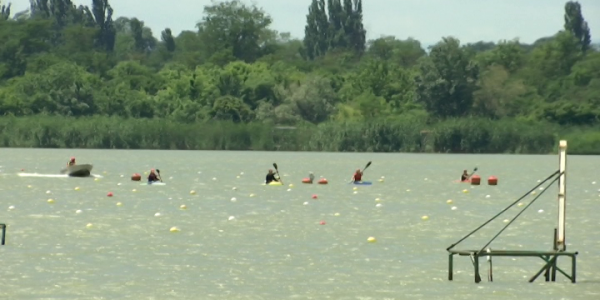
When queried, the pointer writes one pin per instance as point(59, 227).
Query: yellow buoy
point(465, 191)
point(174, 229)
point(134, 190)
point(119, 203)
point(291, 185)
point(51, 201)
point(355, 188)
point(77, 188)
point(89, 225)
point(192, 192)
point(424, 218)
point(183, 206)
point(371, 239)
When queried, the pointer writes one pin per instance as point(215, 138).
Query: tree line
point(67, 64)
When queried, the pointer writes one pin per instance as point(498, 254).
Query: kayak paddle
point(474, 170)
point(159, 177)
point(277, 170)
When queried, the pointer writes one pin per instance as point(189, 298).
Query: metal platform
point(550, 257)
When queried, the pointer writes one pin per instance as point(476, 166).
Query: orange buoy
point(306, 180)
point(475, 180)
point(136, 177)
point(492, 180)
point(323, 181)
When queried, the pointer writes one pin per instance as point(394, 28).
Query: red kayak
point(464, 181)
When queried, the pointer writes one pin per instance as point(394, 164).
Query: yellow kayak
point(275, 183)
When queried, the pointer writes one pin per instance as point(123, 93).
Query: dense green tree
point(237, 79)
point(448, 79)
point(4, 11)
point(334, 26)
point(234, 28)
point(576, 24)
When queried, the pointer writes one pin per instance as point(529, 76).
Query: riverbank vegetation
point(74, 77)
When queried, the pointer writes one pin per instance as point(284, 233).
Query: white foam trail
point(52, 175)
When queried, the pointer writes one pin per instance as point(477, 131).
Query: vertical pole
point(562, 195)
point(450, 265)
point(3, 232)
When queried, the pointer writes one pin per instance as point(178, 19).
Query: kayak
point(464, 181)
point(361, 183)
point(153, 183)
point(275, 183)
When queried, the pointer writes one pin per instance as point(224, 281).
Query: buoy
point(475, 180)
point(322, 223)
point(110, 194)
point(51, 201)
point(89, 225)
point(371, 239)
point(182, 206)
point(192, 192)
point(306, 180)
point(492, 180)
point(424, 218)
point(314, 196)
point(323, 181)
point(174, 229)
point(291, 185)
point(136, 177)
point(119, 204)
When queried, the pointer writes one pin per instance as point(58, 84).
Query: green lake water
point(239, 239)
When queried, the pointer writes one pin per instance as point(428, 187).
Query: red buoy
point(475, 180)
point(136, 177)
point(492, 180)
point(323, 181)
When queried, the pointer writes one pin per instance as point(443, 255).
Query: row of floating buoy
point(320, 181)
point(476, 180)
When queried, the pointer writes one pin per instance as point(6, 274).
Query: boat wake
point(52, 175)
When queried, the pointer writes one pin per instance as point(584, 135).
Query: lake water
point(277, 242)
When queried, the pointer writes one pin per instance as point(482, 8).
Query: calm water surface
point(239, 239)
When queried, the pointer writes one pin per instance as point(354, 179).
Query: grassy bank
point(408, 135)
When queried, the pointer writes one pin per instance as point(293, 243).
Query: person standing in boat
point(271, 177)
point(357, 176)
point(71, 162)
point(152, 177)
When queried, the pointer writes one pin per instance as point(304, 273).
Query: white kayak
point(153, 183)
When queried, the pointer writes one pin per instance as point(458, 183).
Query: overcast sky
point(425, 20)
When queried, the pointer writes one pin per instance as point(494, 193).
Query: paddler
point(71, 162)
point(152, 177)
point(465, 176)
point(311, 177)
point(357, 176)
point(271, 177)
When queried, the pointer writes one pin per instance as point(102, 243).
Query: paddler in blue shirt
point(271, 177)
